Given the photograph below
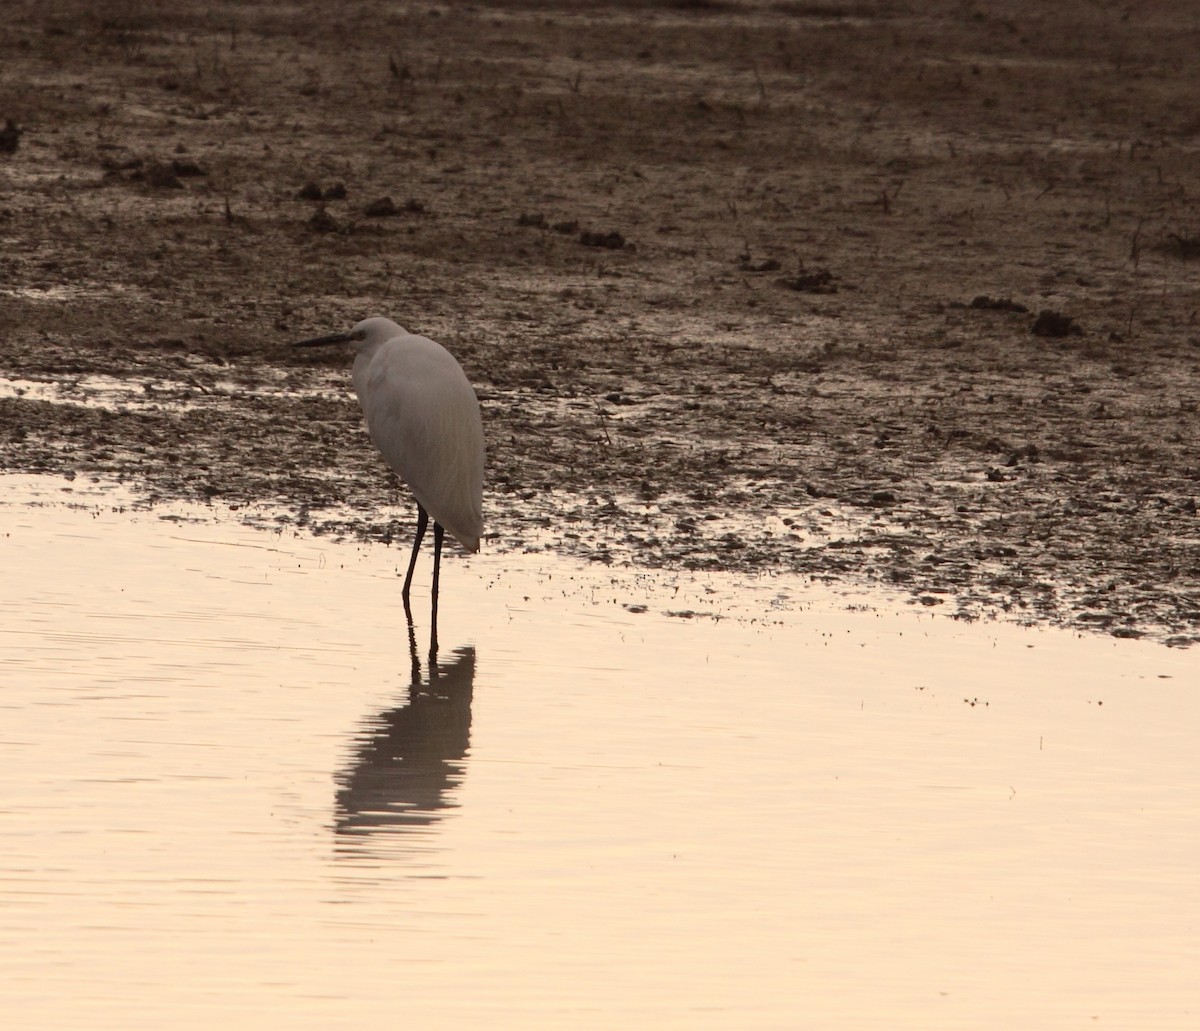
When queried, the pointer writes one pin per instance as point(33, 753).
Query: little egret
point(423, 416)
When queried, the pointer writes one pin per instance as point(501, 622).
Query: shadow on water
point(410, 759)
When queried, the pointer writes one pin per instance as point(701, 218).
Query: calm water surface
point(229, 799)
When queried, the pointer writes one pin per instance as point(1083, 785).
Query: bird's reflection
point(411, 758)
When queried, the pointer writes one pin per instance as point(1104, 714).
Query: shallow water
point(757, 804)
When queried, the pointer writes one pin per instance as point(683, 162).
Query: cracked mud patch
point(782, 365)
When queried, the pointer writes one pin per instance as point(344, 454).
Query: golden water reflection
point(231, 799)
point(410, 760)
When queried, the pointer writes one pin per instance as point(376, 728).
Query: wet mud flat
point(900, 294)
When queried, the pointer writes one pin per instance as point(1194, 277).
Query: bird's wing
point(423, 416)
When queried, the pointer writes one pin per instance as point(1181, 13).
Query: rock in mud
point(10, 137)
point(1055, 324)
point(997, 304)
point(612, 240)
point(819, 281)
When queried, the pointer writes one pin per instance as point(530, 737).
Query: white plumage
point(423, 415)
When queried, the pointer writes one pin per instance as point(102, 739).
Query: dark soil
point(713, 267)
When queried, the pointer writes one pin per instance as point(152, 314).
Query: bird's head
point(370, 331)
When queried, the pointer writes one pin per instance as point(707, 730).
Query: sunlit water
point(228, 801)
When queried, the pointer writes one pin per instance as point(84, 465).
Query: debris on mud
point(10, 137)
point(767, 265)
point(323, 222)
point(819, 281)
point(312, 190)
point(1055, 324)
point(1187, 247)
point(385, 207)
point(160, 175)
point(188, 169)
point(612, 239)
point(997, 304)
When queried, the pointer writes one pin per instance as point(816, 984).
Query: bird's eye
point(360, 335)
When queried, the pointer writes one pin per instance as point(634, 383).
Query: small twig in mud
point(1129, 323)
point(399, 72)
point(886, 200)
point(1135, 247)
point(232, 219)
point(762, 90)
point(574, 84)
point(604, 426)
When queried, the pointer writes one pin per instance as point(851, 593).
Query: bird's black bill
point(333, 338)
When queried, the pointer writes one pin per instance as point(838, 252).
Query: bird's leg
point(438, 534)
point(422, 522)
point(412, 654)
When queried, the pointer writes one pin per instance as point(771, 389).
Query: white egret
point(424, 417)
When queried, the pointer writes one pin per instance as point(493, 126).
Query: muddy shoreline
point(742, 286)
